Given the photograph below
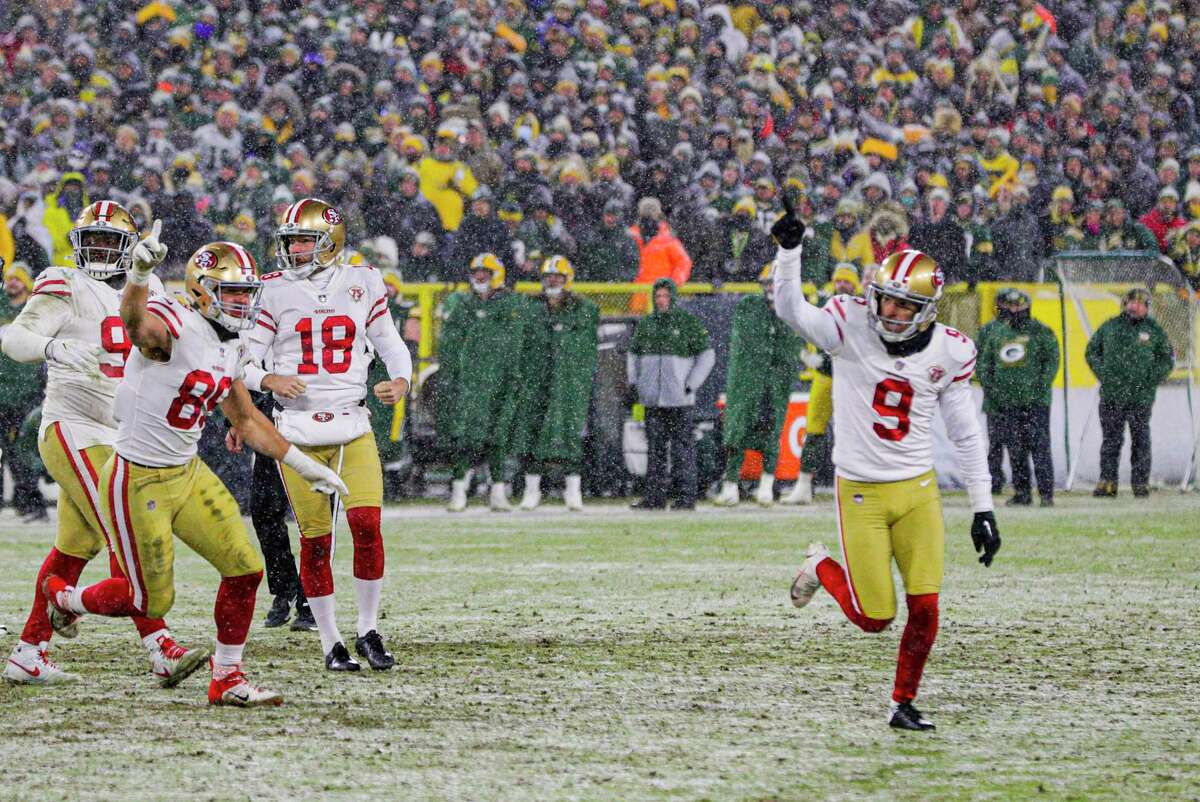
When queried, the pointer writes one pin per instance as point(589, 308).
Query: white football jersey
point(884, 405)
point(81, 399)
point(162, 406)
point(319, 333)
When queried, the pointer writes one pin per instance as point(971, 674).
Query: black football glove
point(788, 230)
point(985, 536)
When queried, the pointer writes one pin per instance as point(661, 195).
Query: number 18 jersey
point(318, 332)
point(884, 405)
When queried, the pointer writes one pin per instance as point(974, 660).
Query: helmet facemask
point(102, 251)
point(233, 316)
point(304, 263)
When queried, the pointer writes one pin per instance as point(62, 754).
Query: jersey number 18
point(337, 345)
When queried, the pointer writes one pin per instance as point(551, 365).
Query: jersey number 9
point(893, 399)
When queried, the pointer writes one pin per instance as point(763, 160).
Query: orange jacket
point(662, 257)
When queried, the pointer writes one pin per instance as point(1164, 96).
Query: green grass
point(621, 656)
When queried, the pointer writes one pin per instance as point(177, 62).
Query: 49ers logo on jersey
point(206, 260)
point(331, 216)
point(356, 294)
point(322, 417)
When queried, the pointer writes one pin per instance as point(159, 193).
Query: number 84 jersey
point(884, 405)
point(319, 332)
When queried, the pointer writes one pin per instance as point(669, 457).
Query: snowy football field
point(624, 656)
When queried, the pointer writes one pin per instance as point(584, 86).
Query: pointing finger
point(156, 229)
point(787, 205)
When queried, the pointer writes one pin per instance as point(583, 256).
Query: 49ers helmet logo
point(331, 216)
point(206, 260)
point(938, 278)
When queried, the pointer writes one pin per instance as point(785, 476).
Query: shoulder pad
point(169, 311)
point(961, 350)
point(55, 281)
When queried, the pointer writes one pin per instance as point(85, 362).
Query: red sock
point(234, 609)
point(112, 597)
point(37, 626)
point(833, 579)
point(368, 542)
point(915, 644)
point(145, 626)
point(316, 574)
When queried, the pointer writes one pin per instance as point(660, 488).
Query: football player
point(893, 366)
point(321, 320)
point(188, 359)
point(72, 323)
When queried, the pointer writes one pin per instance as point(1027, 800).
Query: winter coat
point(1017, 244)
point(479, 373)
point(558, 364)
point(1130, 358)
point(662, 256)
point(445, 184)
point(738, 255)
point(946, 244)
point(669, 356)
point(478, 235)
point(59, 220)
point(764, 363)
point(1133, 236)
point(1017, 364)
point(607, 254)
point(1160, 227)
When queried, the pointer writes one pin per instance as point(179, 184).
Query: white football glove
point(322, 479)
point(74, 355)
point(147, 255)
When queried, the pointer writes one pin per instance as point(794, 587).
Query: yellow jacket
point(445, 184)
point(8, 248)
point(1002, 170)
point(857, 250)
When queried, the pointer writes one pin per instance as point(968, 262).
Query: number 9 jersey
point(161, 407)
point(89, 313)
point(884, 405)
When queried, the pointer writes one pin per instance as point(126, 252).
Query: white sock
point(368, 592)
point(75, 601)
point(324, 610)
point(533, 483)
point(228, 654)
point(151, 640)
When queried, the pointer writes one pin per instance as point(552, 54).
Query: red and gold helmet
point(103, 238)
point(910, 276)
point(312, 220)
point(219, 268)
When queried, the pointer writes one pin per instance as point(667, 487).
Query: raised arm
point(811, 323)
point(148, 331)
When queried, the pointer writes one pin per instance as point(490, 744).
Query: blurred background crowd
point(990, 134)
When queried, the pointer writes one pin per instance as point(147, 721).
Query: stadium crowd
point(642, 139)
point(989, 134)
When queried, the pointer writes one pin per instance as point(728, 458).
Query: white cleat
point(458, 495)
point(573, 493)
point(233, 689)
point(533, 492)
point(498, 500)
point(172, 663)
point(728, 497)
point(32, 665)
point(806, 583)
point(801, 492)
point(764, 494)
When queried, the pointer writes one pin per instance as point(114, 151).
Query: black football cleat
point(304, 621)
point(339, 659)
point(281, 611)
point(907, 717)
point(371, 647)
point(1019, 501)
point(1141, 491)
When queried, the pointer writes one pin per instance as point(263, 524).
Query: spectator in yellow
point(63, 205)
point(445, 180)
point(997, 162)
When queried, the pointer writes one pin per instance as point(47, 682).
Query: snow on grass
point(627, 656)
